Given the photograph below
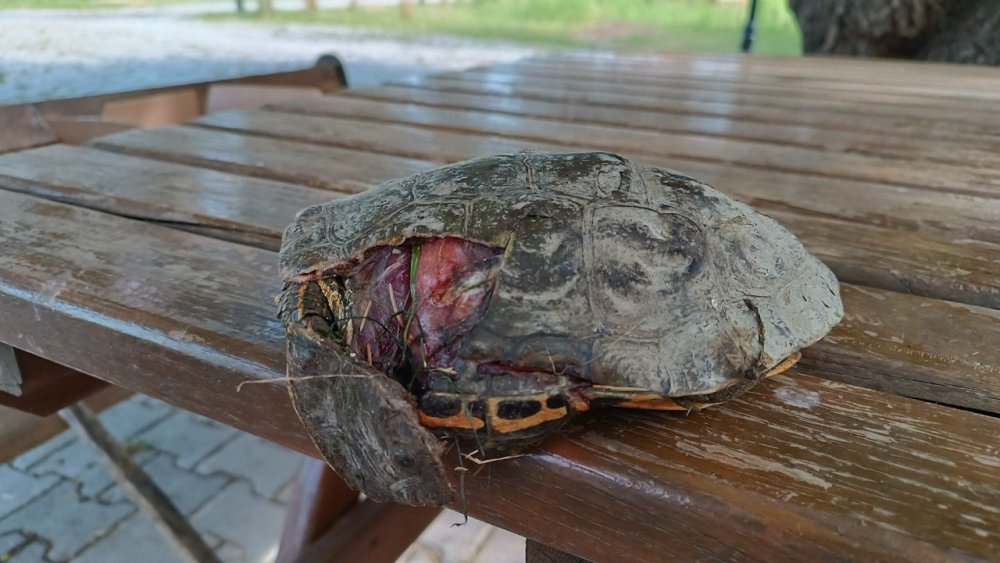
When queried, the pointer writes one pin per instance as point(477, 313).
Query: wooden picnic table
point(147, 259)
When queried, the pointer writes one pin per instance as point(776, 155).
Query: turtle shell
point(620, 274)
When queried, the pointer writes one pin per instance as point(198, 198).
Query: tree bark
point(966, 31)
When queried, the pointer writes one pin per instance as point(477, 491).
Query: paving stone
point(122, 420)
point(33, 553)
point(245, 520)
point(229, 553)
point(66, 520)
point(501, 547)
point(43, 450)
point(9, 542)
point(266, 465)
point(188, 490)
point(18, 488)
point(134, 540)
point(455, 544)
point(189, 437)
point(135, 414)
point(71, 461)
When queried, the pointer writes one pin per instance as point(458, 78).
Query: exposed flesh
point(413, 302)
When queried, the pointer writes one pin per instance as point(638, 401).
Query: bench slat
point(974, 151)
point(821, 113)
point(264, 158)
point(721, 151)
point(910, 81)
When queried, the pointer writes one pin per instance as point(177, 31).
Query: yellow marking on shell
point(460, 420)
point(332, 299)
point(509, 245)
point(652, 401)
point(784, 365)
point(300, 305)
point(504, 426)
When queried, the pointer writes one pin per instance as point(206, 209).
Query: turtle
point(490, 301)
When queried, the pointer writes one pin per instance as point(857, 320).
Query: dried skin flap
point(364, 424)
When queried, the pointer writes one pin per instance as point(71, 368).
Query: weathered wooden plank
point(936, 176)
point(821, 113)
point(914, 263)
point(814, 65)
point(762, 478)
point(227, 206)
point(952, 216)
point(883, 143)
point(22, 127)
point(908, 335)
point(370, 532)
point(829, 470)
point(969, 92)
point(899, 82)
point(319, 499)
point(175, 315)
point(265, 158)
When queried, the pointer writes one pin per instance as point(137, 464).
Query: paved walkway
point(58, 502)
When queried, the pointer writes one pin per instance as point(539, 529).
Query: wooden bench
point(156, 270)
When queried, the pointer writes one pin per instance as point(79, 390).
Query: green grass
point(83, 4)
point(679, 25)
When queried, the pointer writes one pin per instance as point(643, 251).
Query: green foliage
point(689, 25)
point(83, 4)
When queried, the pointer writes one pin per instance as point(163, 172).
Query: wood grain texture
point(877, 71)
point(370, 532)
point(680, 101)
point(935, 79)
point(535, 552)
point(764, 477)
point(973, 94)
point(976, 151)
point(319, 499)
point(952, 215)
point(724, 151)
point(178, 316)
point(827, 469)
point(227, 206)
point(914, 263)
point(265, 158)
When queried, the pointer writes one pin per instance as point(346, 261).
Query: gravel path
point(48, 54)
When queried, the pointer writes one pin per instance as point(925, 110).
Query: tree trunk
point(312, 5)
point(406, 8)
point(966, 31)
